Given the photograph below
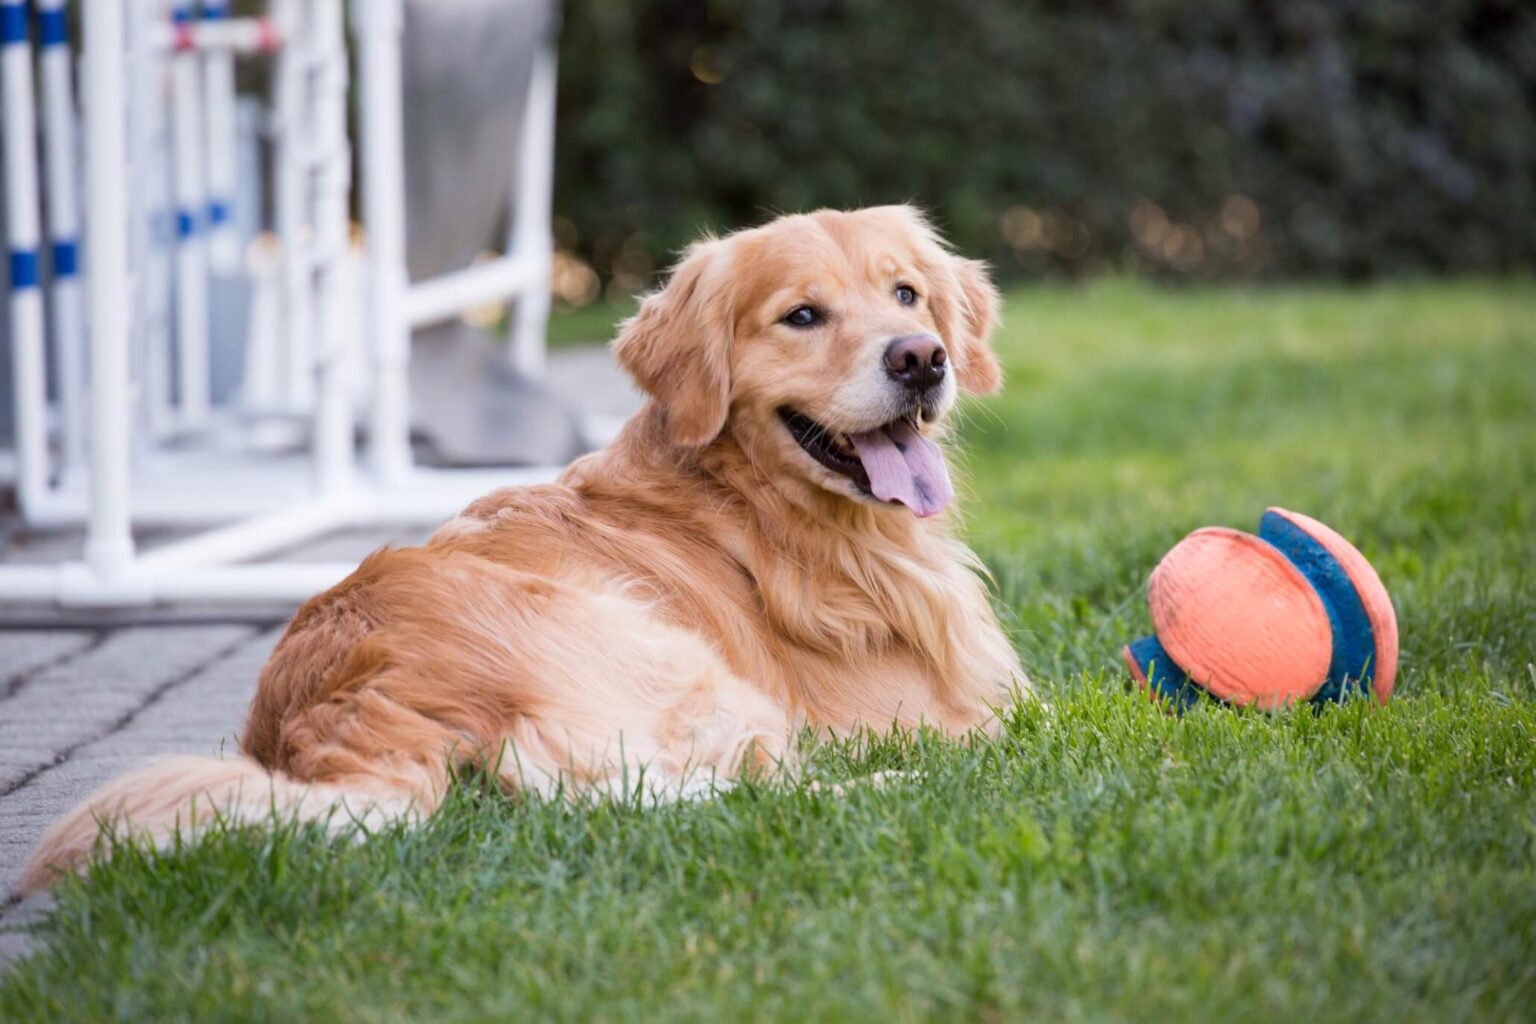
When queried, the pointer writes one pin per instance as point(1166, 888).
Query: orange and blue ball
point(1294, 614)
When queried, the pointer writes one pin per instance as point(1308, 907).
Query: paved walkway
point(79, 707)
point(89, 696)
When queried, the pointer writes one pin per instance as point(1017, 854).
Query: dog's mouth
point(893, 462)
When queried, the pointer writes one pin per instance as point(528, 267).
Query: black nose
point(916, 361)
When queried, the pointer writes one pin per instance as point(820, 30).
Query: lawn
point(1101, 861)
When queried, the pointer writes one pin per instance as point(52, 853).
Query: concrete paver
point(196, 705)
point(83, 698)
point(24, 651)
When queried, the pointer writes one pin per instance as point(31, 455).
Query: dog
point(764, 548)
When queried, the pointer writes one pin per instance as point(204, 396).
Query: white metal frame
point(313, 182)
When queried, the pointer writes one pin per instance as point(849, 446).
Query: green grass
point(595, 323)
point(1101, 861)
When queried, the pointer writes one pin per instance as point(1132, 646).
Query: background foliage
point(1221, 139)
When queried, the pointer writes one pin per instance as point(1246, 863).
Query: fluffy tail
point(180, 795)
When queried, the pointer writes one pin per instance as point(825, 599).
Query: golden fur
point(681, 601)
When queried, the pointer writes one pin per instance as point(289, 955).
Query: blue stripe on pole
point(181, 14)
point(52, 27)
point(186, 223)
point(13, 22)
point(218, 212)
point(23, 268)
point(213, 10)
point(66, 259)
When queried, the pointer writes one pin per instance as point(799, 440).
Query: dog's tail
point(182, 795)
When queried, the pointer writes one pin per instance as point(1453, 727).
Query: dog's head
point(830, 344)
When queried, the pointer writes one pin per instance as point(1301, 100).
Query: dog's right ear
point(677, 347)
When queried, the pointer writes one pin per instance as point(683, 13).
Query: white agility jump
point(132, 436)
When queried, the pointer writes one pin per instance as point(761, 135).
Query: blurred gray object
point(474, 409)
point(466, 67)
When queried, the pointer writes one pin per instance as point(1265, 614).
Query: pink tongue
point(905, 466)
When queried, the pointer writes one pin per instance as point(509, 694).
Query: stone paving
point(92, 706)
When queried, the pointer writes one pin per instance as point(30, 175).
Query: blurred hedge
point(1211, 138)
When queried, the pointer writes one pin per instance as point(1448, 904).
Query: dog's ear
point(677, 347)
point(967, 312)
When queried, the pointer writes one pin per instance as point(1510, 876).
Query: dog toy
point(1293, 614)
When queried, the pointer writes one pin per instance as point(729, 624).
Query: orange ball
point(1294, 614)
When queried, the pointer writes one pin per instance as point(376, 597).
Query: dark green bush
point(1219, 138)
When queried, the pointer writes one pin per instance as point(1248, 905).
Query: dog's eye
point(802, 316)
point(905, 294)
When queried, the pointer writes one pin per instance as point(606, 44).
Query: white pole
point(151, 227)
point(108, 539)
point(261, 383)
point(219, 88)
point(62, 155)
point(29, 374)
point(291, 190)
point(333, 451)
point(191, 248)
point(441, 298)
point(379, 24)
point(532, 241)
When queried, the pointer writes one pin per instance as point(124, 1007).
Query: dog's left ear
point(967, 311)
point(677, 347)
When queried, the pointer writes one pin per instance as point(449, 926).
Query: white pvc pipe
point(253, 537)
point(441, 298)
point(73, 585)
point(334, 463)
point(191, 240)
point(379, 24)
point(291, 193)
point(231, 35)
point(62, 155)
point(532, 240)
point(108, 539)
point(151, 228)
point(22, 215)
point(221, 147)
point(154, 508)
point(287, 582)
point(261, 381)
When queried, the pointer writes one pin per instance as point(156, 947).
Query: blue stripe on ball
point(1165, 679)
point(1352, 667)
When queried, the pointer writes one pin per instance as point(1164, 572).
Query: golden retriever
point(763, 548)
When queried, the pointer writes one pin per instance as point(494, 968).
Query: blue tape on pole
point(186, 224)
point(23, 268)
point(181, 14)
point(213, 10)
point(66, 259)
point(52, 27)
point(13, 22)
point(218, 212)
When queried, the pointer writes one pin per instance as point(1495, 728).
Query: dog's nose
point(917, 361)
